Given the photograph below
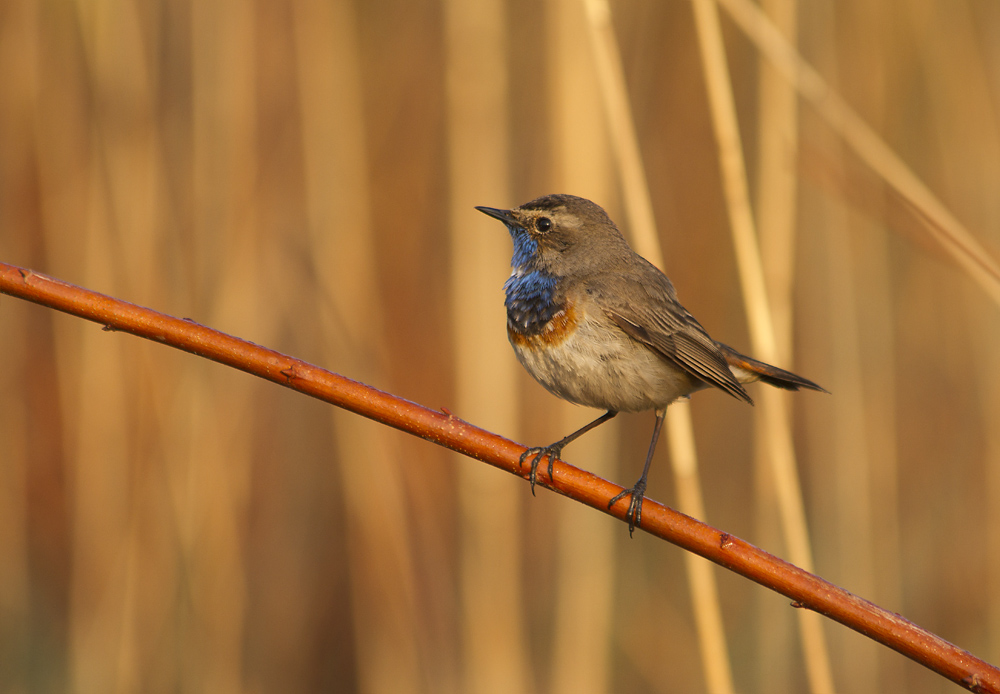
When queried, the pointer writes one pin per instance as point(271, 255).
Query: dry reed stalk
point(15, 431)
point(701, 578)
point(210, 498)
point(881, 410)
point(34, 510)
point(494, 635)
point(772, 406)
point(777, 191)
point(941, 224)
point(776, 206)
point(621, 128)
point(639, 209)
point(850, 471)
point(874, 350)
point(965, 124)
point(858, 465)
point(583, 639)
point(990, 414)
point(388, 630)
point(110, 639)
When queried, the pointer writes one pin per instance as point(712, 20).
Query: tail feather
point(748, 370)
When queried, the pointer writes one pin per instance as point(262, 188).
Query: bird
point(598, 325)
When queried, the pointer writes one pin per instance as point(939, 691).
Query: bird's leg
point(554, 450)
point(634, 513)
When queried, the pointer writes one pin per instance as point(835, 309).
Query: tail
point(748, 370)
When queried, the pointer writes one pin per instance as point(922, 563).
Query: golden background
point(302, 174)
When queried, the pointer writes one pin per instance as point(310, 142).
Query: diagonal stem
point(805, 589)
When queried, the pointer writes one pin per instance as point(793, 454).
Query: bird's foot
point(553, 452)
point(634, 513)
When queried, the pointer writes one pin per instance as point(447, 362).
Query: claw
point(552, 452)
point(634, 513)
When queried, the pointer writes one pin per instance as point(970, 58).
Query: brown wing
point(655, 318)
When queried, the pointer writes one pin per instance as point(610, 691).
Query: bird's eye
point(543, 224)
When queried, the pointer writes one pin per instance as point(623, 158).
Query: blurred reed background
point(303, 174)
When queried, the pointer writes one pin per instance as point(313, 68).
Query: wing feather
point(666, 327)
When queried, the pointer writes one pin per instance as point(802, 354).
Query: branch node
point(972, 683)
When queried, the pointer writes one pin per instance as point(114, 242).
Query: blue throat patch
point(524, 248)
point(530, 301)
point(530, 293)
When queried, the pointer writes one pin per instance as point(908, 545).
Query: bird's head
point(558, 234)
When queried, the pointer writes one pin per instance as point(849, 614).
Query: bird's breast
point(581, 356)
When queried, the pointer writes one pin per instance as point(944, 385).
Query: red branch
point(444, 429)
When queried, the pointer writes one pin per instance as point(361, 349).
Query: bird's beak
point(505, 216)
